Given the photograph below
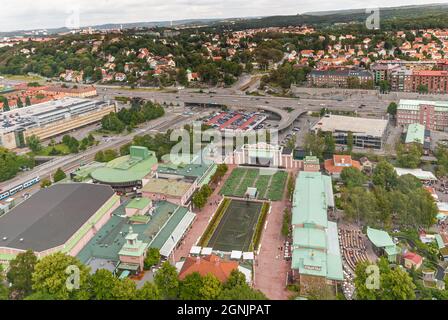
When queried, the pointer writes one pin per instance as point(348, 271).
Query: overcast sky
point(34, 14)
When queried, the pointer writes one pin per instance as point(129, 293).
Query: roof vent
point(5, 238)
point(21, 240)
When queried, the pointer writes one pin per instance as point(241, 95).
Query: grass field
point(62, 148)
point(270, 186)
point(237, 227)
point(25, 78)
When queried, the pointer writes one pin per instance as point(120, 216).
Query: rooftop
point(210, 264)
point(109, 240)
point(139, 203)
point(416, 133)
point(52, 216)
point(415, 104)
point(133, 167)
point(312, 198)
point(169, 187)
point(379, 238)
point(336, 123)
point(40, 113)
point(418, 173)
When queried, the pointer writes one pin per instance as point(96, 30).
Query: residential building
point(335, 166)
point(433, 115)
point(211, 264)
point(338, 78)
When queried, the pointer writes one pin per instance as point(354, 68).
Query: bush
point(214, 223)
point(259, 230)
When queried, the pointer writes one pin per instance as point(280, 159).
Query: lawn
point(62, 148)
point(25, 78)
point(270, 186)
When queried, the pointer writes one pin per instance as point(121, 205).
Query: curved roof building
point(126, 173)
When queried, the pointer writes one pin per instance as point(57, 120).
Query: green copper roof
point(127, 168)
point(379, 238)
point(416, 133)
point(310, 202)
point(310, 238)
point(139, 203)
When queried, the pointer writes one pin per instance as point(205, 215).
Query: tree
point(45, 183)
point(392, 109)
point(189, 287)
point(20, 274)
point(152, 258)
point(125, 289)
point(34, 143)
point(19, 103)
point(167, 282)
point(4, 292)
point(395, 284)
point(5, 102)
point(59, 175)
point(409, 156)
point(149, 291)
point(360, 205)
point(211, 287)
point(236, 278)
point(51, 275)
point(315, 145)
point(422, 88)
point(101, 285)
point(27, 101)
point(385, 175)
point(286, 222)
point(352, 177)
point(350, 142)
point(384, 86)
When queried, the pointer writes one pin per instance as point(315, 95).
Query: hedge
point(214, 223)
point(259, 230)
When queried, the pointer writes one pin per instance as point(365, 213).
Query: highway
point(289, 110)
point(70, 162)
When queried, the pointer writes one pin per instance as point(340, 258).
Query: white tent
point(206, 251)
point(195, 250)
point(248, 256)
point(236, 255)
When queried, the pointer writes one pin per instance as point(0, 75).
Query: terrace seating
point(353, 247)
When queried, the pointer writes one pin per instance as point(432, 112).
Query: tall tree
point(20, 274)
point(61, 275)
point(149, 291)
point(167, 281)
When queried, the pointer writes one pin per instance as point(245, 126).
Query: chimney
point(198, 260)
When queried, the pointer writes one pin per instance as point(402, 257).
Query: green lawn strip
point(247, 182)
point(234, 181)
point(62, 148)
point(259, 229)
point(263, 185)
point(214, 222)
point(277, 187)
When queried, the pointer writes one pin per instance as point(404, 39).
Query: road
point(288, 108)
point(70, 162)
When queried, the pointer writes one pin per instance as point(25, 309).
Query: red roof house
point(210, 264)
point(338, 163)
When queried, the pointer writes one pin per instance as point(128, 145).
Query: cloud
point(36, 14)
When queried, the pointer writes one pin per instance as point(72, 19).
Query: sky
point(37, 14)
